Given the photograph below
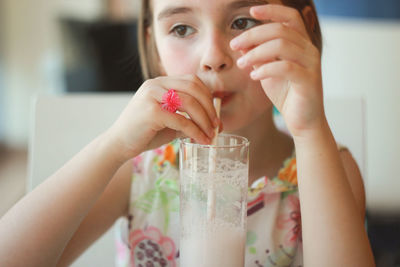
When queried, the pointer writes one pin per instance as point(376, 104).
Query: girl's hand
point(287, 63)
point(144, 125)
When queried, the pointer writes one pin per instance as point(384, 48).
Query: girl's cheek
point(178, 59)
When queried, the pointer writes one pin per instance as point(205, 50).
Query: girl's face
point(192, 37)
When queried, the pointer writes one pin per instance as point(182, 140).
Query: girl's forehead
point(170, 6)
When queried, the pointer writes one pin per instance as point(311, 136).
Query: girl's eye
point(244, 24)
point(182, 31)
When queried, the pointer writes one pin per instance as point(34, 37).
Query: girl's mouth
point(226, 97)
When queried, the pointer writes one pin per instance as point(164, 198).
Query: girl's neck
point(269, 147)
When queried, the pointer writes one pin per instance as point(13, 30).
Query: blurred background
point(57, 46)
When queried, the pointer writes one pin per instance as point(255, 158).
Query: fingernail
point(241, 62)
point(234, 43)
point(256, 8)
point(254, 74)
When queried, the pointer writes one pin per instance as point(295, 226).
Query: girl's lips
point(225, 96)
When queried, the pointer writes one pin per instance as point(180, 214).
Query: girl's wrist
point(116, 148)
point(320, 130)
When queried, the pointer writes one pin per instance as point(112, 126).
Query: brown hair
point(147, 47)
point(314, 31)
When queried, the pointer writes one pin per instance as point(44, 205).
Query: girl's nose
point(216, 56)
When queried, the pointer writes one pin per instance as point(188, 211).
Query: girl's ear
point(154, 53)
point(310, 18)
point(148, 34)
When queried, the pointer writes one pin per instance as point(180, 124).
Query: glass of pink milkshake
point(213, 202)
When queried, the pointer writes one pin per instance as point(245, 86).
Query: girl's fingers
point(278, 49)
point(280, 13)
point(181, 124)
point(190, 105)
point(209, 106)
point(196, 113)
point(198, 82)
point(267, 32)
point(192, 85)
point(283, 69)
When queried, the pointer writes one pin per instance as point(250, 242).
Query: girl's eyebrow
point(171, 10)
point(246, 3)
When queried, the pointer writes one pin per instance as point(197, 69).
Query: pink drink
point(220, 246)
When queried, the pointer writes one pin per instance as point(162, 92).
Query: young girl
point(304, 208)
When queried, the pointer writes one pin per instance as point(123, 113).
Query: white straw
point(212, 161)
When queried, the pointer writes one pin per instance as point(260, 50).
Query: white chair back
point(62, 125)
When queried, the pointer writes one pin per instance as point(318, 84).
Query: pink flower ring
point(171, 101)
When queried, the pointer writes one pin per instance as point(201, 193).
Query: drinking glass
point(213, 202)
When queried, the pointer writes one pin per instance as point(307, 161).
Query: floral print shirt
point(150, 235)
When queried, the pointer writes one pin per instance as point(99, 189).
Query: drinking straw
point(212, 161)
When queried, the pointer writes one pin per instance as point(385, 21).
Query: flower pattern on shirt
point(137, 164)
point(283, 257)
point(150, 248)
point(163, 196)
point(290, 222)
point(169, 155)
point(166, 157)
point(289, 172)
